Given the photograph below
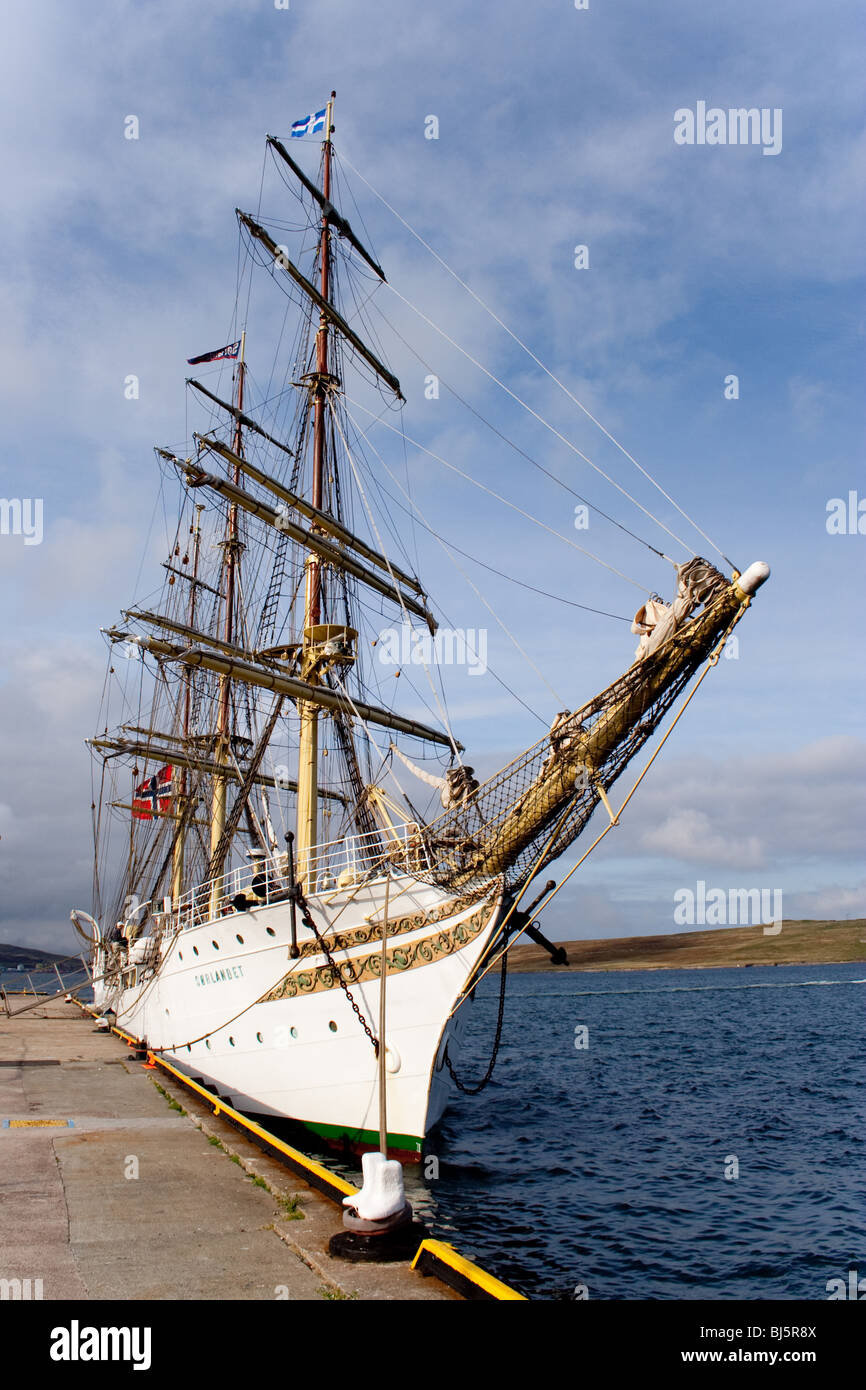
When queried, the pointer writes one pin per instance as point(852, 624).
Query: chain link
point(475, 1090)
point(307, 919)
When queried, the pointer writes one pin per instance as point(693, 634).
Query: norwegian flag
point(153, 795)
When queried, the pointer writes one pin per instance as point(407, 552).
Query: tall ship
point(272, 911)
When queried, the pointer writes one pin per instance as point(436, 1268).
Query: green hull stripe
point(409, 1143)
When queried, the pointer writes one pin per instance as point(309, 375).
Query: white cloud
point(828, 903)
point(749, 812)
point(689, 835)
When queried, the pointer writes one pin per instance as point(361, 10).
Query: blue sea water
point(605, 1167)
point(18, 983)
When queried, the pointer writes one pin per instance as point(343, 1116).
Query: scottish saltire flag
point(309, 125)
point(231, 350)
point(153, 795)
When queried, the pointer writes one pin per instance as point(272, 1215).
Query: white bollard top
point(382, 1194)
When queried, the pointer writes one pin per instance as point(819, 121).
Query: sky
point(554, 130)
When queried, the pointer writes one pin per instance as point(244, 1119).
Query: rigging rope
point(442, 710)
point(478, 594)
point(521, 583)
point(416, 517)
point(516, 447)
point(555, 379)
point(377, 420)
point(541, 420)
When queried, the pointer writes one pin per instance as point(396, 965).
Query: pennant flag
point(153, 795)
point(231, 350)
point(309, 125)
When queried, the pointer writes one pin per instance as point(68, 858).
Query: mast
point(177, 866)
point(223, 729)
point(308, 751)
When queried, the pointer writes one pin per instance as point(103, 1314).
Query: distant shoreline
point(798, 943)
point(11, 956)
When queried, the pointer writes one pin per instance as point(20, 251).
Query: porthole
point(180, 955)
point(231, 1042)
point(270, 931)
point(259, 1038)
point(332, 1025)
point(293, 1032)
point(195, 950)
point(239, 938)
point(207, 1043)
point(189, 1047)
point(215, 945)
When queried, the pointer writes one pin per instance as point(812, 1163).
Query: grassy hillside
point(798, 943)
point(13, 956)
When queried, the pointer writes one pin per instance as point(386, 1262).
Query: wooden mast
point(177, 866)
point(308, 750)
point(223, 729)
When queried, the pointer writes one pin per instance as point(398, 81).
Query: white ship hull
point(279, 1037)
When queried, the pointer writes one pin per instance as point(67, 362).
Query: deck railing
point(327, 867)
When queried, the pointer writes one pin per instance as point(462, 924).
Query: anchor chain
point(475, 1090)
point(307, 919)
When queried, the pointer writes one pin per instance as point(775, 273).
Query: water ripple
point(607, 1167)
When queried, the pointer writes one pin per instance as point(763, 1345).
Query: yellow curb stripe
point(446, 1254)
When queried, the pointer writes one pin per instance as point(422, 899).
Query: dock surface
point(147, 1194)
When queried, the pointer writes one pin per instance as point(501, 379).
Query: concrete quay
point(147, 1194)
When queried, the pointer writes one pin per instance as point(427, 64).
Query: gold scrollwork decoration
point(402, 958)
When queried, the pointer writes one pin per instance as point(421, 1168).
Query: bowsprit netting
point(528, 814)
